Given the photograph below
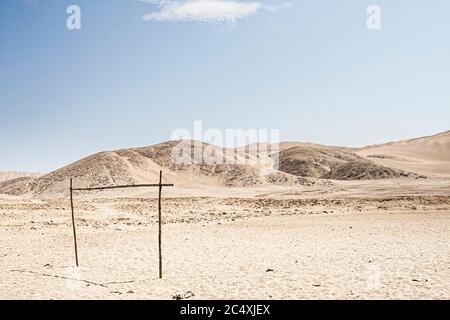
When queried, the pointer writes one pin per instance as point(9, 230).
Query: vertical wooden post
point(159, 224)
point(73, 223)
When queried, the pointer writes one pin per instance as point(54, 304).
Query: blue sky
point(311, 69)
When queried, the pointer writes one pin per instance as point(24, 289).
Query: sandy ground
point(388, 240)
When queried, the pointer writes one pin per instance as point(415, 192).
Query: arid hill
point(428, 156)
point(299, 164)
point(333, 163)
point(142, 165)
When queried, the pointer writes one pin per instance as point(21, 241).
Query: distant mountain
point(299, 164)
point(9, 175)
point(142, 165)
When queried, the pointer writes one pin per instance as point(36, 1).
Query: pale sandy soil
point(354, 240)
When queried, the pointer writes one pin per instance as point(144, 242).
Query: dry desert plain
point(333, 223)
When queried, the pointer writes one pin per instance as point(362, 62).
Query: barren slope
point(426, 155)
point(142, 165)
point(299, 164)
point(333, 163)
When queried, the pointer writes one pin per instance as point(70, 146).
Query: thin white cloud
point(221, 11)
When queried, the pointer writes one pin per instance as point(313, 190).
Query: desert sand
point(374, 231)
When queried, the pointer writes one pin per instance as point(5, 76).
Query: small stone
point(183, 295)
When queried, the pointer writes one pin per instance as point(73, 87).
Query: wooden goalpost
point(159, 185)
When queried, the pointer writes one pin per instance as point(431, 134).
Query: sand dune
point(426, 155)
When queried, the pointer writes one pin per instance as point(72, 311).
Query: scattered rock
point(183, 295)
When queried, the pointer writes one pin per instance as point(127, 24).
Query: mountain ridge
point(300, 163)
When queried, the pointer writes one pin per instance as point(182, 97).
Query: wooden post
point(73, 223)
point(160, 185)
point(159, 224)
